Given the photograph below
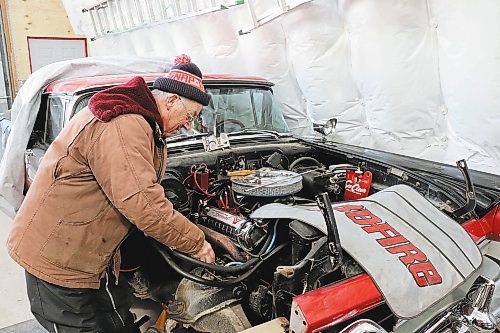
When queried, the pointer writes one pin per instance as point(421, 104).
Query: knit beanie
point(184, 79)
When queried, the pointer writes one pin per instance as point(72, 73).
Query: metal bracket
point(212, 142)
point(470, 193)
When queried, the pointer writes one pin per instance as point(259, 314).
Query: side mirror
point(363, 326)
point(327, 127)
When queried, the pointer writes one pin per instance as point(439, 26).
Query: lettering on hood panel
point(420, 267)
point(410, 249)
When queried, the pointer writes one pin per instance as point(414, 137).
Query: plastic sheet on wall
point(418, 78)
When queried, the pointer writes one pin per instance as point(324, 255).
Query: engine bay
point(261, 264)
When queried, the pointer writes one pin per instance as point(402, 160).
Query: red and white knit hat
point(184, 79)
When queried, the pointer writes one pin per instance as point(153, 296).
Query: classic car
point(311, 235)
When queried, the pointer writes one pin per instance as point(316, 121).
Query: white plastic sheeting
point(414, 77)
point(27, 102)
point(4, 133)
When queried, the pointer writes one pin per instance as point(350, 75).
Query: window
point(55, 116)
point(81, 104)
point(234, 109)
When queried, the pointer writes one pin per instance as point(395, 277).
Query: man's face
point(178, 112)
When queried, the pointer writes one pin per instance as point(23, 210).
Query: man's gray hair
point(160, 95)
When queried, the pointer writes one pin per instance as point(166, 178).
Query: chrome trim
point(363, 326)
point(188, 141)
point(212, 142)
point(326, 127)
point(438, 324)
point(476, 310)
point(495, 301)
point(471, 314)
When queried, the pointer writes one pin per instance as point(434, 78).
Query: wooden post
point(8, 47)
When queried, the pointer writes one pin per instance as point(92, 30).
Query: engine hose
point(213, 283)
point(305, 158)
point(224, 269)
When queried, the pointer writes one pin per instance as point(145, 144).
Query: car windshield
point(236, 109)
point(232, 110)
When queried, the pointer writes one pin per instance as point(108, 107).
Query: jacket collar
point(133, 97)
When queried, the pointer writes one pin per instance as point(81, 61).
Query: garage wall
point(414, 77)
point(46, 18)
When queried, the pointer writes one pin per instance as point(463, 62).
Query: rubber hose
point(213, 283)
point(223, 269)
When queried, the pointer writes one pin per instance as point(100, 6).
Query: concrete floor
point(30, 326)
point(14, 305)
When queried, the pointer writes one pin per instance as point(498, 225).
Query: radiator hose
point(167, 253)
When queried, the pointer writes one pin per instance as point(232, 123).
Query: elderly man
point(98, 179)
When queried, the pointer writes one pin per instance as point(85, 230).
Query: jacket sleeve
point(121, 159)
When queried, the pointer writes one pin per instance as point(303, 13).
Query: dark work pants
point(74, 310)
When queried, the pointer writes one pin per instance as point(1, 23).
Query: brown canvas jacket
point(96, 180)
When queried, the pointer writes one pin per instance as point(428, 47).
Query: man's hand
point(205, 254)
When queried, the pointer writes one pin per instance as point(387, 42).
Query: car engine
point(261, 264)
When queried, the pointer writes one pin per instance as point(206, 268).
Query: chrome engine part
point(474, 313)
point(239, 229)
point(268, 182)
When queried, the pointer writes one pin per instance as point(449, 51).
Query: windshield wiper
point(182, 137)
point(257, 131)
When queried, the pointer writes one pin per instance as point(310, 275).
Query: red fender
point(330, 305)
point(487, 227)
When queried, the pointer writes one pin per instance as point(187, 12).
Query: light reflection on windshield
point(236, 109)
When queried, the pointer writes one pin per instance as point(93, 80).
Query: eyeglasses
point(189, 116)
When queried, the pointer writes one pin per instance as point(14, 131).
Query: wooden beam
point(8, 45)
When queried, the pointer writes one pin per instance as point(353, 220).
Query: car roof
point(85, 83)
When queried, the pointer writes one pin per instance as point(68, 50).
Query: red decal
point(422, 270)
point(349, 208)
point(363, 217)
point(357, 184)
point(425, 274)
point(384, 228)
point(410, 253)
point(391, 241)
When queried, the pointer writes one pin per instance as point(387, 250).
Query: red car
point(310, 235)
